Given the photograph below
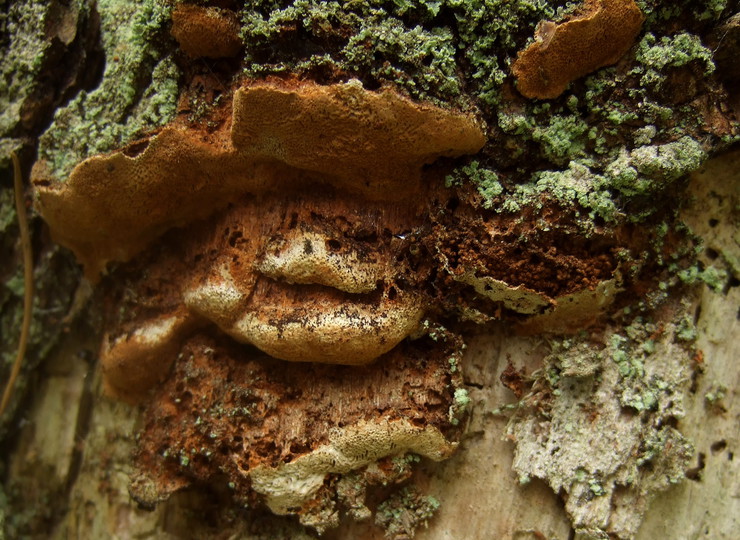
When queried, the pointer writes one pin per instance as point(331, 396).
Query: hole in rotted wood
point(333, 245)
point(307, 247)
point(697, 313)
point(694, 473)
point(670, 421)
point(135, 148)
point(234, 238)
point(186, 397)
point(299, 448)
point(718, 446)
point(713, 222)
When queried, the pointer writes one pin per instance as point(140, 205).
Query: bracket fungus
point(296, 152)
point(597, 36)
point(368, 143)
point(302, 228)
point(206, 31)
point(280, 230)
point(283, 434)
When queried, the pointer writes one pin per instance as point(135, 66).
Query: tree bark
point(67, 446)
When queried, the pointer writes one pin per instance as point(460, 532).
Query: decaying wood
point(478, 491)
point(303, 222)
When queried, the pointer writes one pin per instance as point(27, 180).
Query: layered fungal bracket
point(283, 235)
point(286, 434)
point(275, 285)
point(370, 143)
point(598, 35)
point(288, 216)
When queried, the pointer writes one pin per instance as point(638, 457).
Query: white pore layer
point(218, 300)
point(345, 334)
point(304, 258)
point(291, 485)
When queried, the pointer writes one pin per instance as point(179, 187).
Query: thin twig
point(20, 208)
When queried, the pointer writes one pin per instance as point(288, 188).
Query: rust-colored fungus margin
point(285, 434)
point(285, 229)
point(599, 35)
point(373, 143)
point(206, 31)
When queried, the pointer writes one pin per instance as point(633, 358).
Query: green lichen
point(659, 12)
point(562, 139)
point(138, 91)
point(403, 465)
point(415, 45)
point(686, 329)
point(573, 433)
point(648, 169)
point(655, 56)
point(462, 399)
point(486, 181)
point(715, 396)
point(404, 511)
point(578, 184)
point(23, 45)
point(715, 278)
point(459, 406)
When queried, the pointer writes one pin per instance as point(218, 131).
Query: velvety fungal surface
point(597, 35)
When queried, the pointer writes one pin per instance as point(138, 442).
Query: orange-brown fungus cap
point(598, 36)
point(373, 144)
point(206, 32)
point(343, 130)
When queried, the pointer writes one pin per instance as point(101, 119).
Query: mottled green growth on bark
point(415, 45)
point(648, 169)
point(404, 511)
point(619, 137)
point(138, 92)
point(658, 11)
point(670, 52)
point(459, 406)
point(484, 179)
point(23, 44)
point(596, 425)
